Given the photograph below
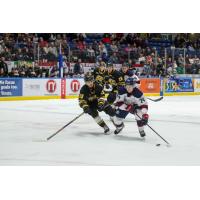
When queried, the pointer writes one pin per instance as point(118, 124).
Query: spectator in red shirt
point(43, 43)
point(81, 45)
point(106, 39)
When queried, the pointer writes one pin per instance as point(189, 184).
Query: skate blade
point(108, 133)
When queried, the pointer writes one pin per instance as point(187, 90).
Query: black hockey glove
point(87, 110)
point(145, 118)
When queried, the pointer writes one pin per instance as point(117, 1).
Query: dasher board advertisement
point(41, 87)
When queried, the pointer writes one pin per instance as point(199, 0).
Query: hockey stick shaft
point(154, 131)
point(64, 126)
point(155, 100)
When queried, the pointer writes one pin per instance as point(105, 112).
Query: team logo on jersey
point(51, 86)
point(75, 85)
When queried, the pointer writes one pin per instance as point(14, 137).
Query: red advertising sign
point(75, 85)
point(51, 86)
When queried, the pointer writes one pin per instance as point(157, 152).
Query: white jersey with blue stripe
point(135, 97)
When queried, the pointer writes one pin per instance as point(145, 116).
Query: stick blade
point(159, 99)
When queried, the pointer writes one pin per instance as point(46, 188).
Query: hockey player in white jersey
point(127, 73)
point(130, 99)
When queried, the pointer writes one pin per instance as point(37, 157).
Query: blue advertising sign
point(10, 87)
point(179, 85)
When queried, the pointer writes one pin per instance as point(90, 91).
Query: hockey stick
point(155, 100)
point(155, 133)
point(64, 126)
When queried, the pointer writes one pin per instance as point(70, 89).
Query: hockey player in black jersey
point(99, 73)
point(131, 100)
point(115, 80)
point(92, 100)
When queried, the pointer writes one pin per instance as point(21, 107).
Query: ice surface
point(23, 123)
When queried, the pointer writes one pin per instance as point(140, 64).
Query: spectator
point(194, 68)
point(22, 74)
point(2, 74)
point(160, 69)
point(1, 48)
point(78, 68)
point(187, 60)
point(102, 49)
point(180, 69)
point(142, 58)
point(53, 49)
point(106, 39)
point(147, 71)
point(4, 65)
point(15, 73)
point(128, 48)
point(174, 72)
point(42, 42)
point(114, 59)
point(196, 59)
point(180, 59)
point(32, 74)
point(90, 52)
point(169, 70)
point(114, 47)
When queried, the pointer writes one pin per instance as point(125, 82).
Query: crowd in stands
point(140, 50)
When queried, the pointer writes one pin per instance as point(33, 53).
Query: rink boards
point(56, 88)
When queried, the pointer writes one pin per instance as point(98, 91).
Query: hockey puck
point(157, 145)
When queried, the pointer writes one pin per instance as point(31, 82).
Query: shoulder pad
point(98, 86)
point(137, 92)
point(84, 87)
point(129, 73)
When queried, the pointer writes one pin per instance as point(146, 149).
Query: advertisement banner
point(197, 85)
point(63, 88)
point(179, 85)
point(41, 87)
point(151, 85)
point(10, 87)
point(73, 86)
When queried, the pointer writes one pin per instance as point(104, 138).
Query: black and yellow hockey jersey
point(90, 96)
point(115, 79)
point(99, 75)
